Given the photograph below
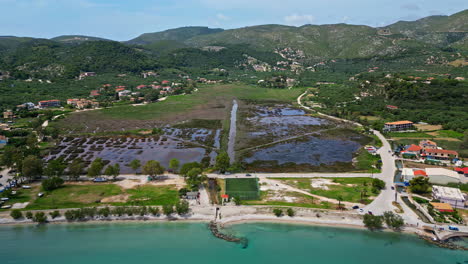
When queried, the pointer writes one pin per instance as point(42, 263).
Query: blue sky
point(123, 20)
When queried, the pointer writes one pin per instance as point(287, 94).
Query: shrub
point(16, 214)
point(168, 209)
point(182, 207)
point(393, 220)
point(104, 212)
point(40, 217)
point(154, 211)
point(290, 212)
point(54, 214)
point(29, 215)
point(278, 212)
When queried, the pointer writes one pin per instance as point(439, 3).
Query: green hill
point(177, 34)
point(76, 39)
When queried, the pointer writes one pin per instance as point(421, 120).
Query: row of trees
point(375, 222)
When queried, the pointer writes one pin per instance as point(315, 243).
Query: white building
point(452, 196)
point(443, 176)
point(409, 173)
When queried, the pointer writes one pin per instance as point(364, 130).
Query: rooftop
point(448, 193)
point(405, 122)
point(442, 151)
point(442, 171)
point(442, 206)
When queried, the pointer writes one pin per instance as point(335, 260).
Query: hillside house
point(8, 114)
point(427, 144)
point(124, 93)
point(448, 195)
point(27, 106)
point(94, 93)
point(86, 74)
point(398, 126)
point(49, 103)
point(82, 103)
point(3, 141)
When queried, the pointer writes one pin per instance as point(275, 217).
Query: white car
point(4, 199)
point(26, 187)
point(40, 194)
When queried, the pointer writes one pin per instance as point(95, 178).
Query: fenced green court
point(245, 189)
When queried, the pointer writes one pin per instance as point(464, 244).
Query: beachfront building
point(398, 126)
point(441, 154)
point(448, 195)
point(443, 176)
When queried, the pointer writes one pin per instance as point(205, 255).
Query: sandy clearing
point(121, 198)
point(322, 183)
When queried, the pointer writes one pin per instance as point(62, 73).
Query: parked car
point(370, 212)
point(4, 199)
point(355, 207)
point(453, 228)
point(6, 207)
point(1, 176)
point(26, 187)
point(361, 210)
point(40, 194)
point(393, 187)
point(100, 179)
point(248, 175)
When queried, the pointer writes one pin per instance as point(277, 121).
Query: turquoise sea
point(192, 243)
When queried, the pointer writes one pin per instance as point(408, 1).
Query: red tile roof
point(414, 148)
point(420, 173)
point(405, 122)
point(462, 170)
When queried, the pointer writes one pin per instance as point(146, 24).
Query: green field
point(349, 189)
point(209, 102)
point(409, 135)
point(79, 196)
point(245, 189)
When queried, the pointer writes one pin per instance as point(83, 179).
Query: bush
point(29, 215)
point(154, 211)
point(393, 220)
point(16, 214)
point(40, 217)
point(278, 212)
point(52, 183)
point(378, 183)
point(54, 214)
point(182, 207)
point(168, 209)
point(105, 212)
point(290, 212)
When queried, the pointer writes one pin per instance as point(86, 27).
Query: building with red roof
point(441, 154)
point(392, 107)
point(49, 103)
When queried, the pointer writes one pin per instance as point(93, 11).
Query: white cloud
point(222, 17)
point(298, 20)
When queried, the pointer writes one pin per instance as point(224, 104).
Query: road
point(5, 177)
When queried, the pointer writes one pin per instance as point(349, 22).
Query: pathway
point(232, 132)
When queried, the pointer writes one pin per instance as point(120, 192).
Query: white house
point(452, 196)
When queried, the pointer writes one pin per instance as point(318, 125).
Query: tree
point(40, 217)
point(16, 214)
point(420, 185)
point(151, 96)
point(182, 207)
point(32, 167)
point(29, 215)
point(168, 209)
point(174, 164)
point(75, 169)
point(52, 183)
point(55, 167)
point(378, 183)
point(188, 166)
point(152, 168)
point(340, 199)
point(95, 168)
point(135, 165)
point(222, 162)
point(237, 200)
point(54, 214)
point(109, 171)
point(290, 212)
point(116, 171)
point(278, 212)
point(392, 220)
point(373, 221)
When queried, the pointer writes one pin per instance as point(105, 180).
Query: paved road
point(383, 202)
point(5, 177)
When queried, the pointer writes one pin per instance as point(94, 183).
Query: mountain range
point(306, 44)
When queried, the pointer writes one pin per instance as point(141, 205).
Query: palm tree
point(339, 198)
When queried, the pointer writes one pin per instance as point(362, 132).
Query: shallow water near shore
point(193, 243)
